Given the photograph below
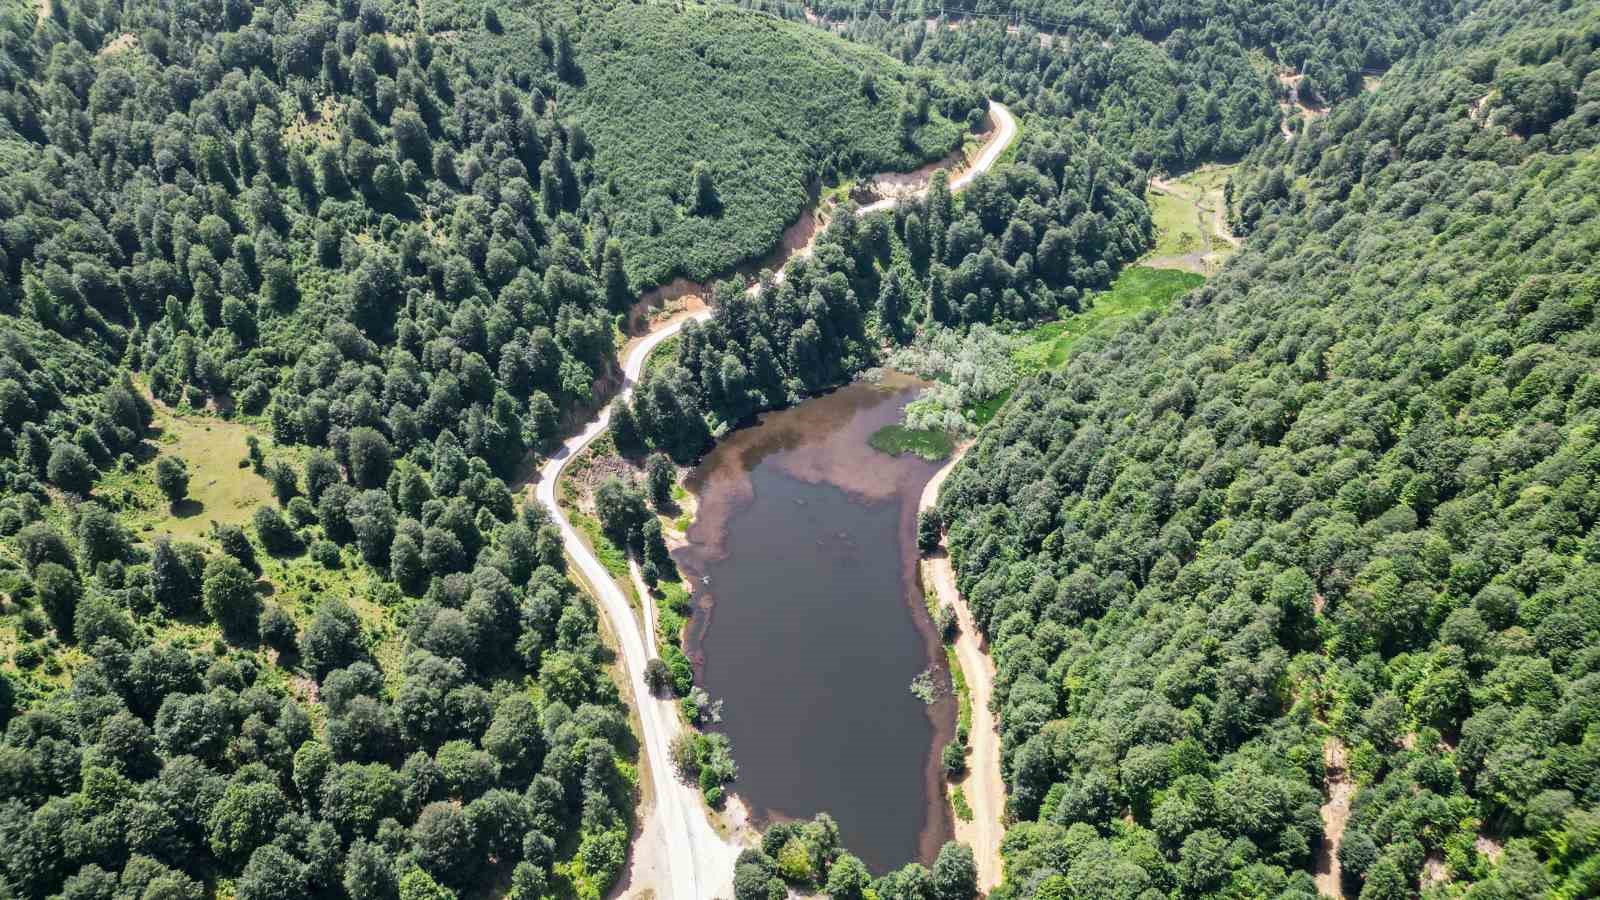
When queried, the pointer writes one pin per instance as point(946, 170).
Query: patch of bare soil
point(124, 41)
point(1335, 814)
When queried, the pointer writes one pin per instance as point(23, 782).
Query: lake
point(812, 624)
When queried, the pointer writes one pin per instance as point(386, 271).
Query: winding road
point(696, 860)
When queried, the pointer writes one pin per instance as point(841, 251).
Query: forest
point(1327, 518)
point(1334, 517)
point(393, 252)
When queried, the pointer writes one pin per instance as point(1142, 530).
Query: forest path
point(678, 837)
point(1335, 813)
point(983, 787)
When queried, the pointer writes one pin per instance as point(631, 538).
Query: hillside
point(769, 107)
point(1333, 517)
point(289, 294)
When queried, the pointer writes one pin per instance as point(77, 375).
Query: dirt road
point(678, 837)
point(985, 790)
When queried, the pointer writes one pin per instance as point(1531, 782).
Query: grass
point(1184, 215)
point(220, 490)
point(660, 355)
point(1177, 224)
point(1138, 289)
point(928, 443)
point(958, 801)
point(609, 554)
point(958, 679)
point(985, 412)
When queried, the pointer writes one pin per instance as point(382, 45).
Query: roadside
point(681, 852)
point(983, 788)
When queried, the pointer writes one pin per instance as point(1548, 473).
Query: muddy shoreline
point(823, 441)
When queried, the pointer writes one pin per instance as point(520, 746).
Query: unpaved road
point(1335, 813)
point(680, 840)
point(985, 790)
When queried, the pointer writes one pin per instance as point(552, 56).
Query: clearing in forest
point(1137, 289)
point(1190, 215)
point(223, 486)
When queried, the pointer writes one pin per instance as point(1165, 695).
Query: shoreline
point(982, 785)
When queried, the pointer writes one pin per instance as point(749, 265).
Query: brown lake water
point(812, 624)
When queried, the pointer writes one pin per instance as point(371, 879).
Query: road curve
point(699, 861)
point(983, 786)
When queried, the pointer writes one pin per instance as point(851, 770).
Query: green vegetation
point(661, 354)
point(1344, 490)
point(761, 106)
point(1137, 291)
point(1167, 83)
point(610, 555)
point(958, 802)
point(930, 444)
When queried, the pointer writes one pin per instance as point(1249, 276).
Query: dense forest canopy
point(1170, 85)
point(393, 253)
point(1341, 505)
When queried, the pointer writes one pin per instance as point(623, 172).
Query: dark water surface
point(804, 553)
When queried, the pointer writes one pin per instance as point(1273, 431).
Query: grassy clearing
point(1190, 214)
point(223, 487)
point(1177, 224)
point(928, 443)
point(1138, 289)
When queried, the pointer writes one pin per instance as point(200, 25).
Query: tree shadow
point(187, 508)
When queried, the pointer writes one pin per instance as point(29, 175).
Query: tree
point(59, 592)
point(271, 874)
point(70, 468)
point(703, 190)
point(285, 485)
point(625, 430)
point(930, 528)
point(244, 818)
point(321, 473)
point(277, 629)
point(237, 545)
point(614, 277)
point(443, 840)
point(333, 639)
point(101, 538)
point(172, 477)
point(848, 879)
point(229, 594)
point(174, 582)
point(514, 738)
point(661, 475)
point(274, 533)
point(955, 873)
point(622, 510)
point(368, 872)
point(657, 677)
point(370, 458)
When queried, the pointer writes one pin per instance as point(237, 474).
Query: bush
point(274, 533)
point(954, 759)
point(326, 554)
